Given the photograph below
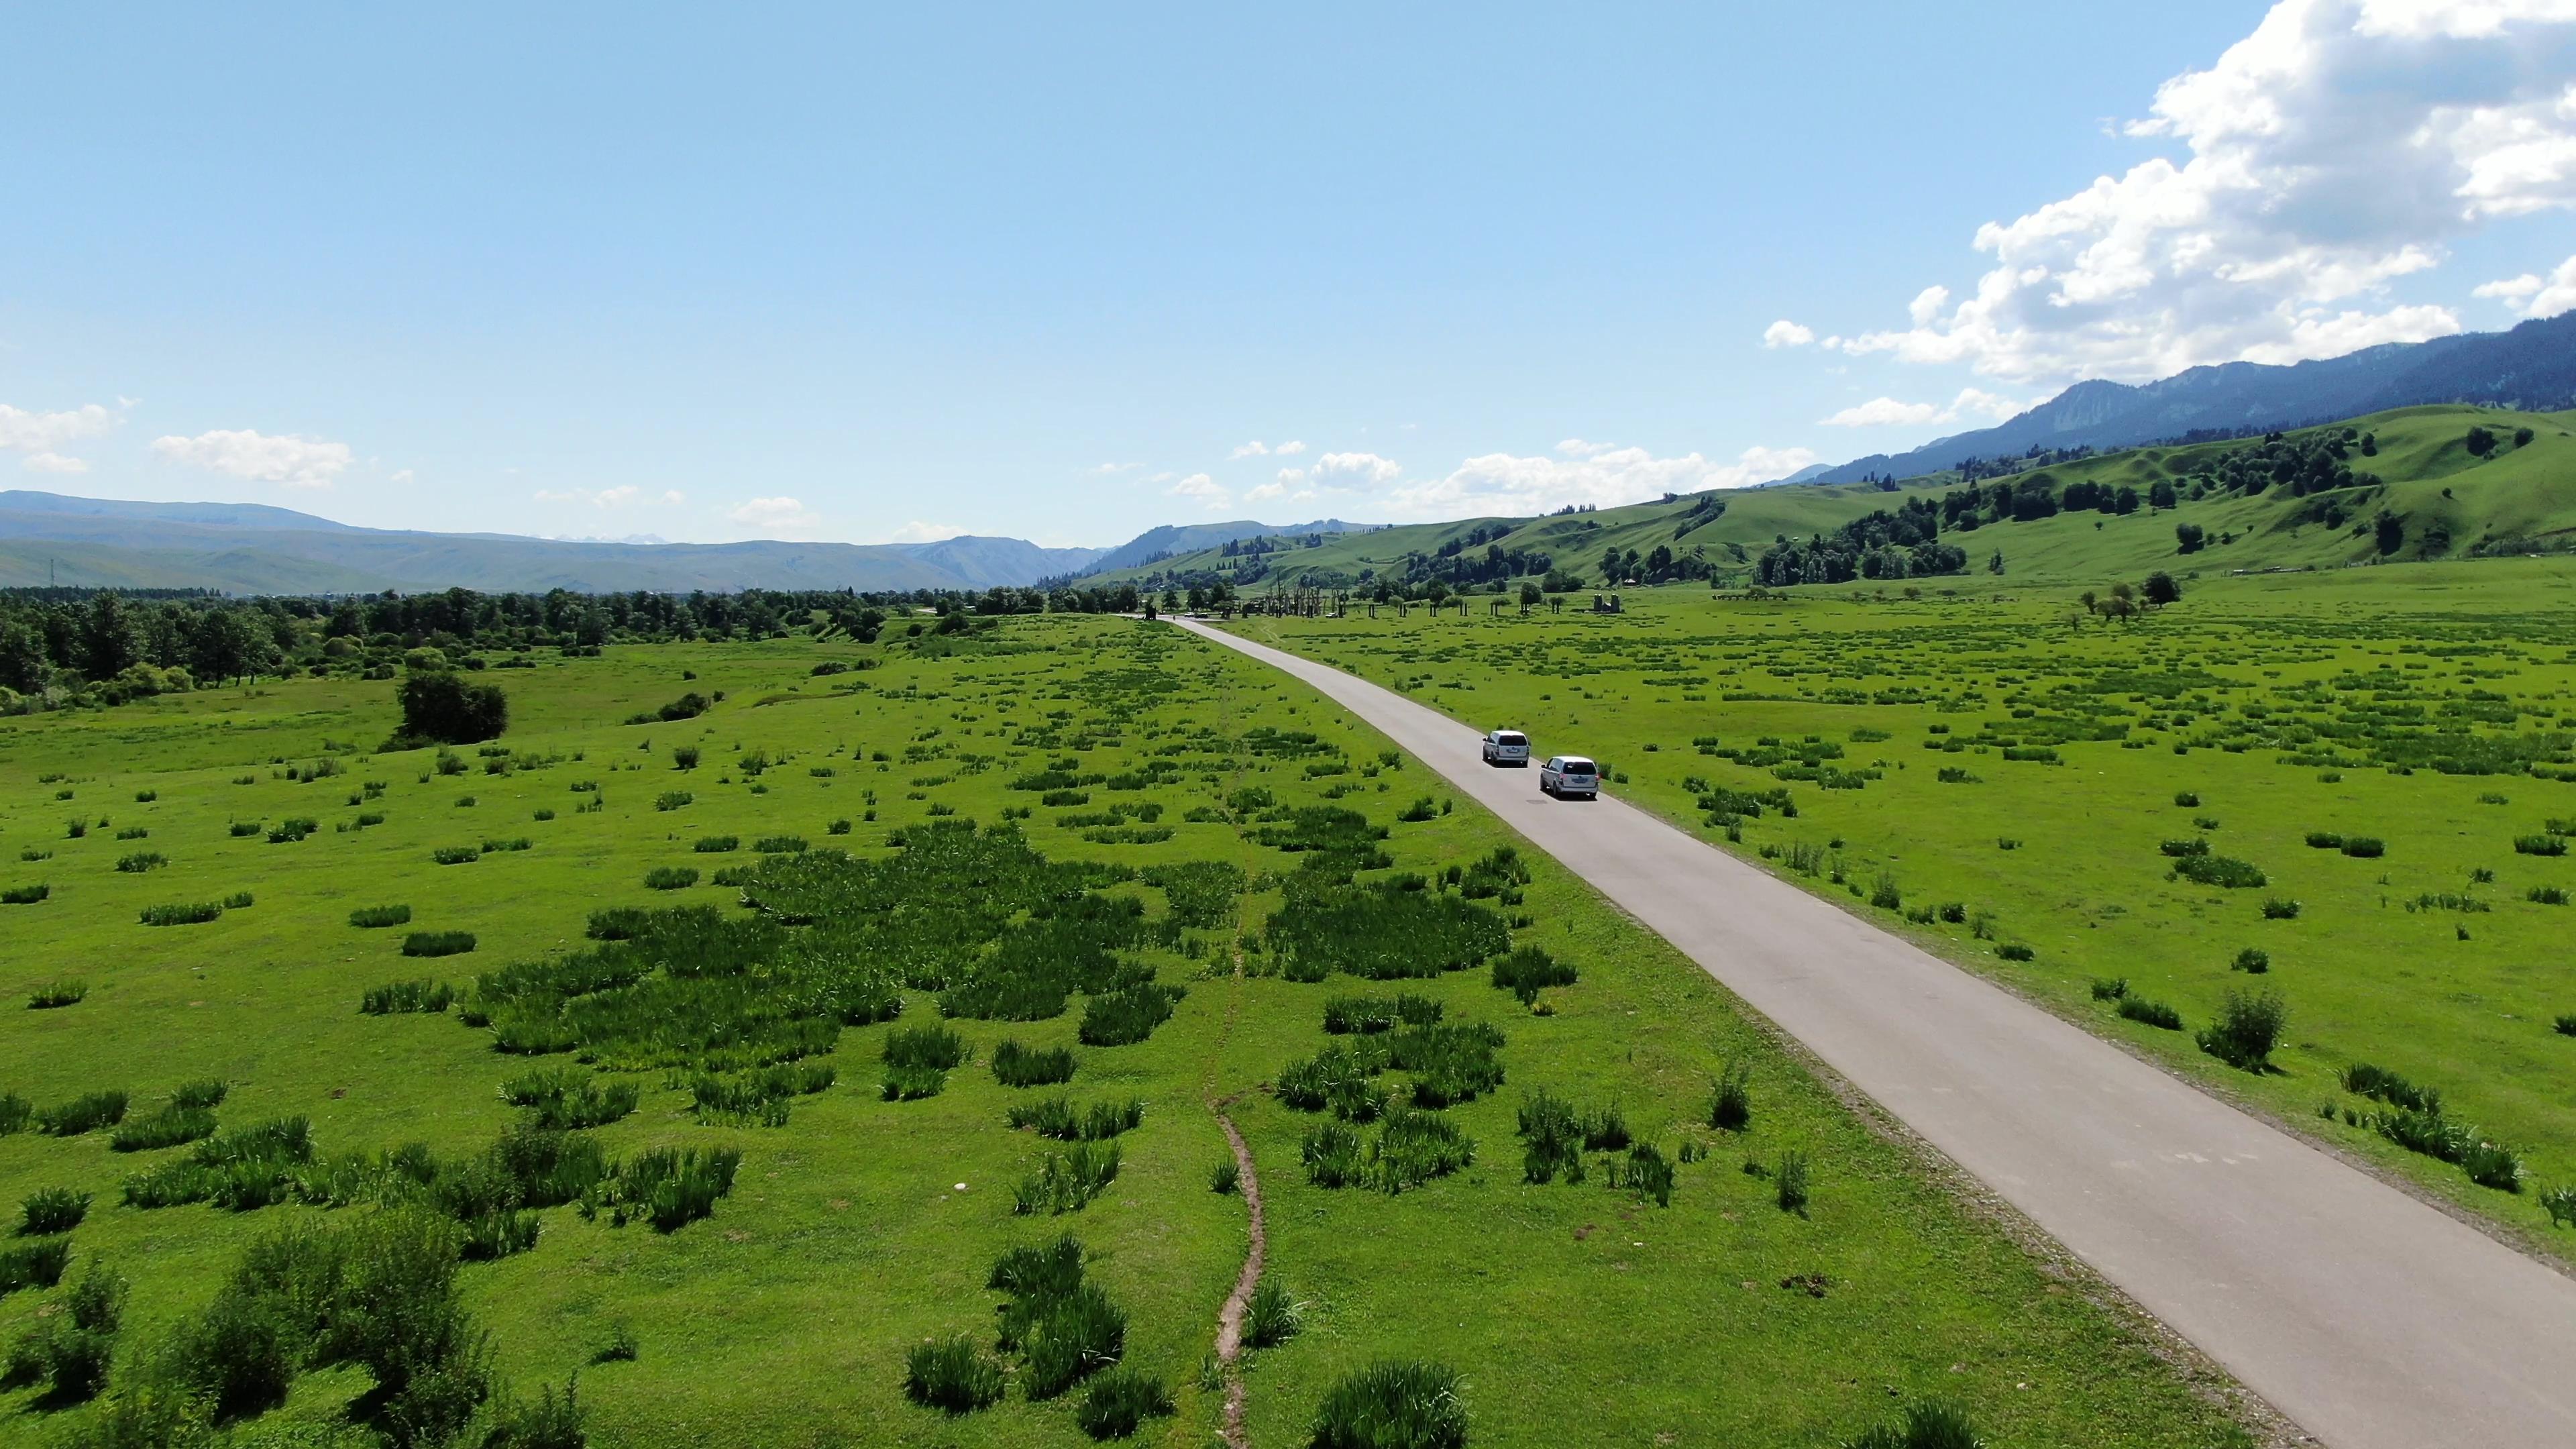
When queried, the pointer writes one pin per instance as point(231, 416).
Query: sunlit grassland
point(864, 1226)
point(2346, 705)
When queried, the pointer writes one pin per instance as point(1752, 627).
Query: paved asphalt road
point(2374, 1321)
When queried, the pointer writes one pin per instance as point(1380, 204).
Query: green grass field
point(863, 1227)
point(2391, 750)
point(2429, 479)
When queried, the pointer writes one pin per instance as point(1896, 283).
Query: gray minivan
point(1569, 777)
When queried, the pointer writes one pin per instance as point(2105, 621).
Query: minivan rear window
point(1578, 767)
point(1511, 737)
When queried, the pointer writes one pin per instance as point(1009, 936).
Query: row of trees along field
point(62, 647)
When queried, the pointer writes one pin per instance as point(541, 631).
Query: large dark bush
point(439, 707)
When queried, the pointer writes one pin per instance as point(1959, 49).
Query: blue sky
point(1050, 272)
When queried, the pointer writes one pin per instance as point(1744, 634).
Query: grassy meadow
point(2350, 789)
point(1666, 1298)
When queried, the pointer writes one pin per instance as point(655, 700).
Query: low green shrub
point(1646, 1172)
point(287, 832)
point(2276, 909)
point(1270, 1316)
point(2253, 961)
point(953, 1375)
point(438, 943)
point(717, 844)
point(422, 995)
point(172, 1126)
point(1128, 1016)
point(2186, 849)
point(2363, 1079)
point(1731, 1106)
point(1018, 1065)
point(673, 800)
point(69, 1350)
point(1344, 1015)
point(2150, 1013)
point(1392, 1404)
point(82, 1114)
point(191, 914)
point(51, 1210)
point(1789, 1181)
point(684, 757)
point(2539, 845)
point(1527, 970)
point(1067, 1181)
point(928, 1046)
point(376, 918)
point(2322, 840)
point(70, 991)
point(141, 861)
point(1225, 1177)
point(2546, 896)
point(2014, 951)
point(779, 844)
point(2247, 1029)
point(758, 1096)
point(670, 878)
point(24, 895)
point(1058, 1118)
point(2363, 847)
point(456, 854)
point(1926, 1426)
point(242, 829)
point(15, 1113)
point(206, 1092)
point(570, 1098)
point(618, 923)
point(2225, 872)
point(34, 1265)
point(2110, 988)
point(1120, 1401)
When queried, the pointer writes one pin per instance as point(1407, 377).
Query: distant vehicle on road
point(1507, 747)
point(1569, 777)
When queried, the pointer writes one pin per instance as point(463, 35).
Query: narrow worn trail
point(2371, 1319)
point(1229, 1320)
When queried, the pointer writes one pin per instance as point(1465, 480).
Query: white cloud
point(285, 458)
point(1253, 449)
point(51, 462)
point(1883, 412)
point(402, 478)
point(776, 517)
point(1103, 470)
point(1364, 468)
point(1277, 488)
point(619, 497)
point(1289, 449)
point(1971, 404)
point(919, 532)
point(2337, 148)
point(1600, 474)
point(1785, 333)
point(44, 432)
point(1203, 488)
point(2534, 295)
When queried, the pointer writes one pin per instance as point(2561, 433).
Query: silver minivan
point(1569, 777)
point(1507, 747)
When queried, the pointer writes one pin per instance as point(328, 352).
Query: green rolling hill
point(2447, 502)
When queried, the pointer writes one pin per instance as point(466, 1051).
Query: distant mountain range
point(1190, 537)
point(2532, 367)
point(254, 548)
